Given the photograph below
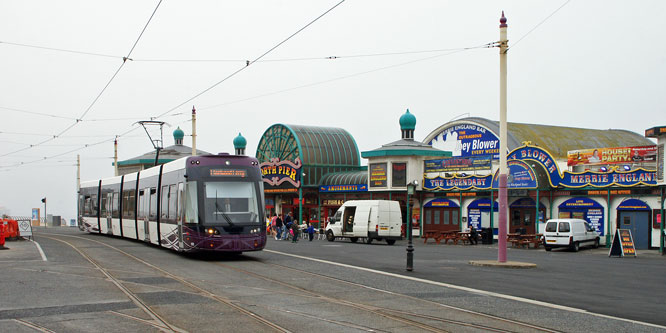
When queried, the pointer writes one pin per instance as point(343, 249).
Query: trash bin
point(486, 236)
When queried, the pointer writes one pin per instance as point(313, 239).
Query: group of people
point(282, 229)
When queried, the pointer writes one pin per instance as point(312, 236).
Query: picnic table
point(517, 239)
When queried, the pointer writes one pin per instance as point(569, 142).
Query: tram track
point(409, 319)
point(200, 291)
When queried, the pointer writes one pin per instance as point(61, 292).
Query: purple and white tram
point(208, 202)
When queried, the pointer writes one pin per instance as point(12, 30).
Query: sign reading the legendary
point(623, 244)
point(378, 175)
point(276, 172)
point(617, 155)
point(464, 183)
point(344, 188)
point(458, 164)
point(466, 140)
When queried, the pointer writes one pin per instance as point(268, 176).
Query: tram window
point(142, 204)
point(115, 205)
point(104, 206)
point(87, 206)
point(131, 206)
point(179, 202)
point(93, 206)
point(190, 203)
point(454, 217)
point(153, 204)
point(172, 203)
point(81, 205)
point(164, 213)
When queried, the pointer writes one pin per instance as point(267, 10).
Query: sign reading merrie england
point(611, 178)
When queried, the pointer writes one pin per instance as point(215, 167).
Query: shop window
point(528, 218)
point(436, 216)
point(454, 217)
point(447, 218)
point(515, 220)
point(626, 220)
point(428, 217)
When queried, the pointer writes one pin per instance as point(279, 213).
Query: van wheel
point(390, 241)
point(353, 239)
point(329, 236)
point(368, 240)
point(575, 247)
point(596, 243)
point(548, 248)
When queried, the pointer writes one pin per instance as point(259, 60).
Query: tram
point(196, 203)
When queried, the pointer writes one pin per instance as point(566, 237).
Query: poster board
point(623, 244)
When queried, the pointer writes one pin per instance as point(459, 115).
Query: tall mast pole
point(194, 131)
point(115, 157)
point(503, 172)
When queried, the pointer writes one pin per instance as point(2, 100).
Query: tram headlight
point(255, 230)
point(212, 231)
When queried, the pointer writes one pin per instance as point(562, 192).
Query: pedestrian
point(295, 229)
point(472, 236)
point(274, 226)
point(288, 221)
point(278, 227)
point(311, 231)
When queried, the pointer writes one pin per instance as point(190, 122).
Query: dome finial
point(503, 21)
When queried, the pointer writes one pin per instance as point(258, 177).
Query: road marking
point(40, 251)
point(475, 291)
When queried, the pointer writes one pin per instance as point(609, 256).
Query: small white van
point(571, 233)
point(369, 219)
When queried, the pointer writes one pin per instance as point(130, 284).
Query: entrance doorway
point(522, 216)
point(638, 222)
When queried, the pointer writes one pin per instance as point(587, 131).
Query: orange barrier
point(11, 228)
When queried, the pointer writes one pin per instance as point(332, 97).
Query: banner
point(455, 164)
point(520, 176)
point(465, 183)
point(617, 155)
point(378, 175)
point(467, 140)
point(606, 179)
point(344, 188)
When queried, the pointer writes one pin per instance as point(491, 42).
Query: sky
point(66, 90)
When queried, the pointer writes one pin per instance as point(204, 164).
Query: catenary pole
point(194, 131)
point(502, 225)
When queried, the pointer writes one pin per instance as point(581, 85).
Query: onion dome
point(407, 121)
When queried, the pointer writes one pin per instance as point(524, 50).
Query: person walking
point(311, 231)
point(278, 227)
point(472, 236)
point(295, 229)
point(288, 221)
point(273, 226)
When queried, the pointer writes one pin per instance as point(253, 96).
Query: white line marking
point(475, 291)
point(40, 251)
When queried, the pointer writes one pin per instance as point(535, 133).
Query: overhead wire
point(538, 25)
point(78, 120)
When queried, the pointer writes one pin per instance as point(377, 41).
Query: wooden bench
point(452, 236)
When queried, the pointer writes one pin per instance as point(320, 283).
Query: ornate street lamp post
point(410, 249)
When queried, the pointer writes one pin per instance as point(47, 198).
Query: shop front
point(441, 215)
point(634, 215)
point(584, 208)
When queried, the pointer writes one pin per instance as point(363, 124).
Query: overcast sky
point(578, 63)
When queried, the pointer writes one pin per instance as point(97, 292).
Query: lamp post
point(45, 222)
point(410, 249)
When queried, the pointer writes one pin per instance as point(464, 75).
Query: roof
point(167, 154)
point(558, 140)
point(321, 150)
point(405, 147)
point(345, 178)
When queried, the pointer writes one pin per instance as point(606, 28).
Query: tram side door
point(638, 223)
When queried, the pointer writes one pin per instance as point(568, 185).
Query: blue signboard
point(520, 176)
point(482, 204)
point(591, 211)
point(463, 183)
point(633, 204)
point(344, 188)
point(541, 156)
point(475, 209)
point(276, 172)
point(467, 140)
point(454, 164)
point(611, 178)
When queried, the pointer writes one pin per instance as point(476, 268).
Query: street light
point(45, 222)
point(410, 249)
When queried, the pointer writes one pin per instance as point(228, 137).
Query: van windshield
point(564, 227)
point(551, 227)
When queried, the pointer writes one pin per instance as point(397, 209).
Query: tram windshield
point(230, 202)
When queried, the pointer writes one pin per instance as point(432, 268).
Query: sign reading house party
point(467, 140)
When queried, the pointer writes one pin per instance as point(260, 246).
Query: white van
point(571, 233)
point(369, 219)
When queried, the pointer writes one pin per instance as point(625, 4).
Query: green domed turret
point(407, 121)
point(178, 136)
point(240, 142)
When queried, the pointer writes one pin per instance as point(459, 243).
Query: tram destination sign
point(228, 173)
